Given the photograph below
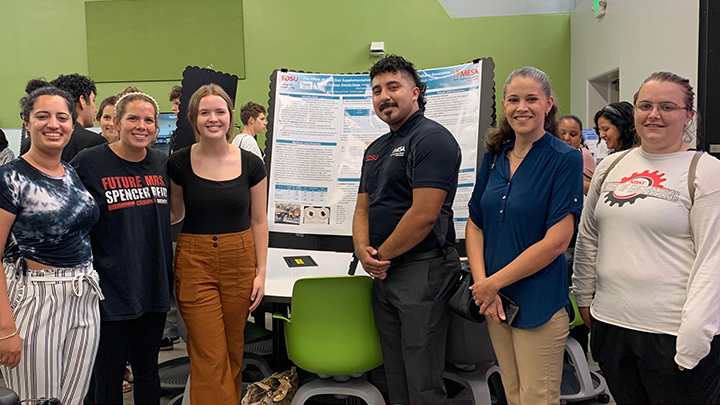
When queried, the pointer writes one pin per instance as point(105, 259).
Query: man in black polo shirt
point(83, 91)
point(403, 233)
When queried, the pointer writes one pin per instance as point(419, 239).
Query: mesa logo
point(287, 78)
point(370, 158)
point(636, 186)
point(469, 72)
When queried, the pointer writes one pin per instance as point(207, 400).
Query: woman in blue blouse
point(523, 212)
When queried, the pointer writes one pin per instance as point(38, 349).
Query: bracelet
point(10, 335)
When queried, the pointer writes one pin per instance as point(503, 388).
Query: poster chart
point(321, 125)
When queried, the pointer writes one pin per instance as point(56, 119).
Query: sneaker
point(126, 386)
point(166, 344)
point(128, 376)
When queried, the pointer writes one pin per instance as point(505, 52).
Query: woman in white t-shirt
point(648, 255)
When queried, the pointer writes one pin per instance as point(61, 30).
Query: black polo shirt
point(421, 154)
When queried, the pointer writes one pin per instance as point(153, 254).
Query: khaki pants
point(531, 360)
point(214, 276)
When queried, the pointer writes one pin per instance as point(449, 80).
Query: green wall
point(47, 37)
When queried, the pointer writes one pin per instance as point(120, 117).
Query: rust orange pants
point(214, 276)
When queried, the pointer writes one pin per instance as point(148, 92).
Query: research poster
point(322, 124)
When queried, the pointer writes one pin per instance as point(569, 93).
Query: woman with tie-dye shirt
point(49, 320)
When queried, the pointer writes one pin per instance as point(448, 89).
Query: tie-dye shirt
point(54, 215)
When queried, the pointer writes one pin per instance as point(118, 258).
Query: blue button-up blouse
point(515, 213)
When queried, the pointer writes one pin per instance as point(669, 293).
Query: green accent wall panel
point(154, 40)
point(48, 37)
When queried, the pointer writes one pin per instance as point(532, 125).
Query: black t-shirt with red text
point(131, 242)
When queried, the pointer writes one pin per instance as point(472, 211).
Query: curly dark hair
point(250, 110)
point(395, 63)
point(77, 85)
point(35, 84)
point(623, 117)
point(3, 140)
point(175, 93)
point(27, 103)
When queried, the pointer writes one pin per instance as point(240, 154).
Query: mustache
point(387, 104)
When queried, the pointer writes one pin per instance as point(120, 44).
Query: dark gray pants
point(411, 315)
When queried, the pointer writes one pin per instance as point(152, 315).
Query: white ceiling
point(494, 8)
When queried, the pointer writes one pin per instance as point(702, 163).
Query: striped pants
point(57, 315)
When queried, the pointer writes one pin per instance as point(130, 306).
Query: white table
point(281, 277)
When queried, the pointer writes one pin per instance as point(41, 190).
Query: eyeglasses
point(664, 107)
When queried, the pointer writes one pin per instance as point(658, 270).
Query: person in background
point(82, 89)
point(105, 117)
point(174, 98)
point(570, 131)
point(49, 318)
point(132, 248)
point(615, 124)
point(6, 154)
point(647, 258)
point(523, 213)
point(221, 254)
point(252, 116)
point(171, 334)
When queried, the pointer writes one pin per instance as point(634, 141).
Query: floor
point(458, 395)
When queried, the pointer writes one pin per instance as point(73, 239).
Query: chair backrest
point(332, 328)
point(468, 342)
point(576, 319)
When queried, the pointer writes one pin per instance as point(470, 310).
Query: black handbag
point(462, 302)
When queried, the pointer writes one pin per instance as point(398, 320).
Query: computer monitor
point(167, 123)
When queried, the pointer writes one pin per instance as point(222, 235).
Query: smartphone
point(510, 308)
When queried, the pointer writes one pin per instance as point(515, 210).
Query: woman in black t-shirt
point(221, 252)
point(131, 247)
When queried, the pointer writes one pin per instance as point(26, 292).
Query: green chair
point(578, 382)
point(576, 319)
point(332, 333)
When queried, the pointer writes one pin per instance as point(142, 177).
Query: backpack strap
point(612, 166)
point(691, 175)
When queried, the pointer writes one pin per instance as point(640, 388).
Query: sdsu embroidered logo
point(399, 151)
point(636, 186)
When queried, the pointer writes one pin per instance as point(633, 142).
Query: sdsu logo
point(638, 186)
point(287, 78)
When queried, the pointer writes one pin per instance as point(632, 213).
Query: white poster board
point(321, 125)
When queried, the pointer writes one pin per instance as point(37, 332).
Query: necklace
point(513, 153)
